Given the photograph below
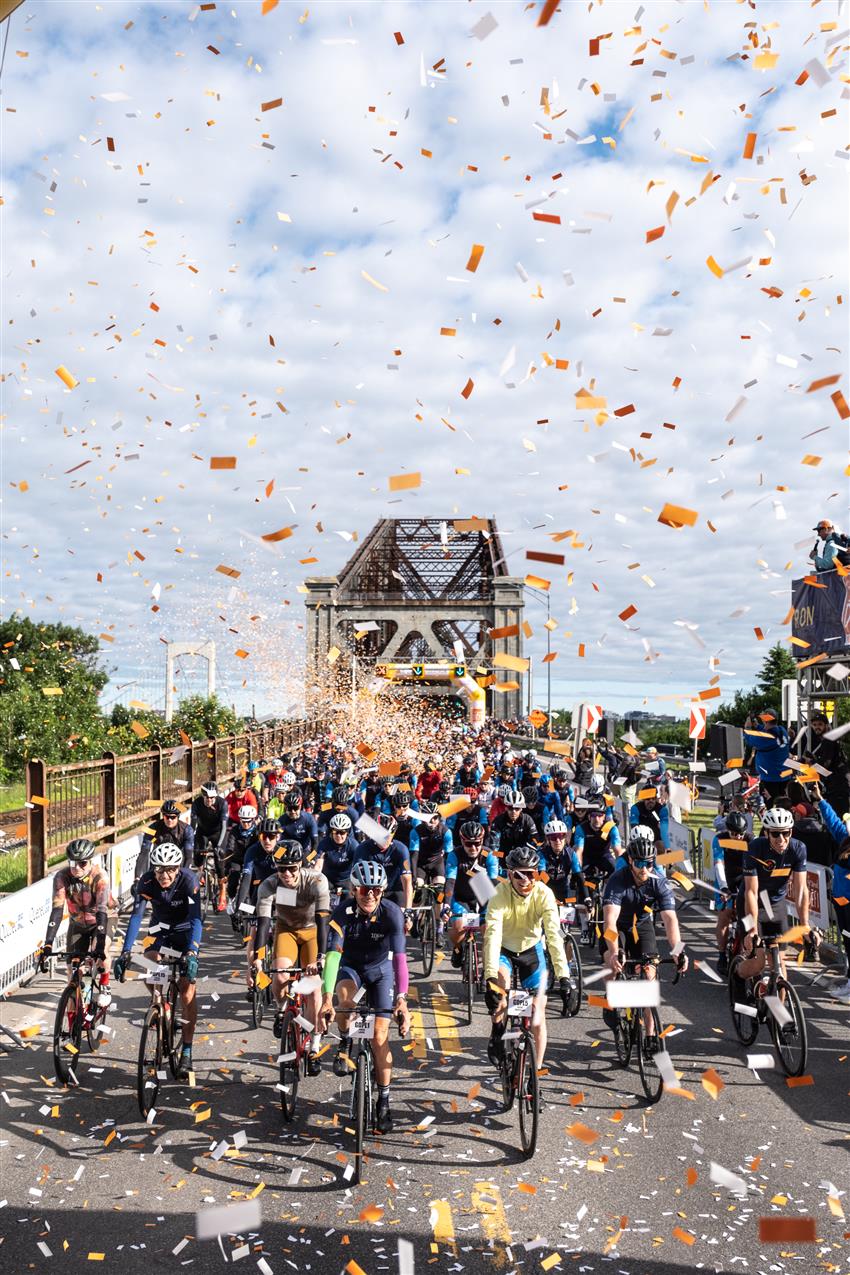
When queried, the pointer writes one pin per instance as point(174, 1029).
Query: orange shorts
point(300, 947)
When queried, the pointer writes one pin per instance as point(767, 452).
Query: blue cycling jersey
point(395, 861)
point(304, 830)
point(337, 858)
point(636, 901)
point(366, 941)
point(175, 910)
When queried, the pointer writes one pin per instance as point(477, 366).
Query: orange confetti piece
point(66, 377)
point(795, 1082)
point(404, 482)
point(398, 37)
point(787, 1230)
point(576, 1099)
point(677, 516)
point(468, 388)
point(222, 462)
point(840, 404)
point(684, 1237)
point(546, 12)
point(715, 269)
point(652, 235)
point(474, 1091)
point(712, 1083)
point(809, 459)
point(228, 571)
point(628, 613)
point(749, 146)
point(268, 5)
point(582, 1133)
point(526, 1188)
point(823, 382)
point(372, 1213)
point(138, 729)
point(272, 537)
point(691, 1176)
point(240, 654)
point(475, 257)
point(272, 105)
point(354, 1268)
point(537, 582)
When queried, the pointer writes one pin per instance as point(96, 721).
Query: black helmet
point(736, 823)
point(289, 853)
point(169, 808)
point(400, 800)
point(269, 827)
point(210, 788)
point(428, 808)
point(641, 843)
point(523, 858)
point(530, 793)
point(472, 831)
point(340, 795)
point(81, 850)
point(293, 799)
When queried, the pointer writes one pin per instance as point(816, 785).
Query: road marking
point(446, 1025)
point(441, 1222)
point(487, 1200)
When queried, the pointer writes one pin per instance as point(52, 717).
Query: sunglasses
point(169, 816)
point(288, 867)
point(520, 875)
point(643, 863)
point(165, 872)
point(778, 833)
point(369, 889)
point(338, 832)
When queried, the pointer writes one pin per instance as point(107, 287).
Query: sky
point(251, 236)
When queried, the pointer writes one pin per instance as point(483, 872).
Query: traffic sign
point(696, 730)
point(417, 670)
point(593, 714)
point(459, 670)
point(537, 718)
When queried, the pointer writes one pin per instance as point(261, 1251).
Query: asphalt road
point(86, 1185)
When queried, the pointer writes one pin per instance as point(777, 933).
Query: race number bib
point(471, 921)
point(519, 1004)
point(567, 913)
point(362, 1027)
point(157, 978)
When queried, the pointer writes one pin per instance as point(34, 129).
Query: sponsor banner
point(821, 614)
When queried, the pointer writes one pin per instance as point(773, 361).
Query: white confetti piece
point(231, 1219)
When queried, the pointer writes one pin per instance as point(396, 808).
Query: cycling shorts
point(458, 909)
point(177, 940)
point(430, 869)
point(299, 947)
point(530, 966)
point(769, 927)
point(396, 897)
point(81, 938)
point(378, 982)
point(645, 945)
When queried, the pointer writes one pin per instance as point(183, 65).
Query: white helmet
point(288, 779)
point(777, 819)
point(167, 855)
point(596, 785)
point(247, 812)
point(555, 828)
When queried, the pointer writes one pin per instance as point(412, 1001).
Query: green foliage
point(207, 717)
point(767, 692)
point(660, 733)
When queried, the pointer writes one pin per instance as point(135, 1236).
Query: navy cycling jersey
point(366, 941)
point(337, 857)
point(460, 868)
point(304, 830)
point(637, 901)
point(176, 909)
point(395, 861)
point(431, 843)
point(772, 868)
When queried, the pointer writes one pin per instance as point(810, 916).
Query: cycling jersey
point(210, 821)
point(235, 802)
point(771, 868)
point(637, 900)
point(430, 844)
point(728, 863)
point(309, 907)
point(507, 835)
point(236, 845)
point(337, 858)
point(89, 902)
point(600, 850)
point(368, 951)
point(462, 870)
point(179, 834)
point(395, 861)
point(303, 829)
point(657, 819)
point(516, 924)
point(175, 912)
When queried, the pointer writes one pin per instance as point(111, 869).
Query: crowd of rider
point(316, 857)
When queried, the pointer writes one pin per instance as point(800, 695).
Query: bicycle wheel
point(174, 1026)
point(259, 999)
point(359, 1114)
point(528, 1096)
point(574, 959)
point(289, 1072)
point(746, 1026)
point(427, 938)
point(96, 1018)
point(150, 1061)
point(67, 1033)
point(507, 1071)
point(623, 1038)
point(468, 974)
point(791, 1040)
point(650, 1076)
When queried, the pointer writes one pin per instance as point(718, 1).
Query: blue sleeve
point(614, 891)
point(717, 854)
point(614, 839)
point(634, 816)
point(451, 866)
point(835, 826)
point(574, 863)
point(664, 896)
point(189, 839)
point(491, 864)
point(396, 934)
point(402, 856)
point(482, 817)
point(249, 860)
point(447, 842)
point(799, 855)
point(578, 837)
point(135, 922)
point(664, 821)
point(314, 829)
point(414, 841)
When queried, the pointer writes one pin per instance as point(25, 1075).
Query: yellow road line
point(417, 1026)
point(441, 1222)
point(446, 1025)
point(487, 1200)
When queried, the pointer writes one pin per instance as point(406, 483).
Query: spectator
point(829, 754)
point(824, 559)
point(768, 739)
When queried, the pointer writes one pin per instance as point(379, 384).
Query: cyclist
point(395, 860)
point(648, 812)
point(168, 826)
point(240, 795)
point(562, 865)
point(521, 915)
point(535, 810)
point(300, 899)
point(342, 803)
point(175, 901)
point(463, 866)
point(335, 854)
point(241, 836)
point(258, 864)
point(92, 912)
point(209, 821)
point(430, 779)
point(597, 841)
point(429, 846)
point(275, 808)
point(256, 778)
point(727, 878)
point(366, 949)
point(773, 863)
point(298, 824)
point(406, 828)
point(468, 774)
point(632, 896)
point(513, 827)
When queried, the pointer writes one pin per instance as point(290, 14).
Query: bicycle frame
point(74, 1014)
point(518, 1069)
point(162, 1036)
point(770, 998)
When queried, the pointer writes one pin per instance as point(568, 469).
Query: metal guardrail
point(103, 798)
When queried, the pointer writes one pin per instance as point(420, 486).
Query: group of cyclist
point(317, 862)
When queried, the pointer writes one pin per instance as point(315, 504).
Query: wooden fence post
point(36, 777)
point(110, 791)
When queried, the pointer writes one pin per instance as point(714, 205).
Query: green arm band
point(332, 960)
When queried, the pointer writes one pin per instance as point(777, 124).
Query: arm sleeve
point(188, 843)
point(400, 972)
point(835, 826)
point(447, 842)
point(634, 816)
point(323, 898)
point(664, 826)
point(264, 925)
point(578, 837)
point(615, 840)
point(719, 859)
point(329, 973)
point(54, 921)
point(134, 924)
point(196, 919)
point(322, 932)
point(554, 938)
point(414, 841)
point(493, 938)
point(451, 866)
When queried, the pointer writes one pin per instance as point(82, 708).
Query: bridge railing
point(102, 799)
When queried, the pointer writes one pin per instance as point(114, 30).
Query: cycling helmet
point(472, 831)
point(776, 819)
point(641, 843)
point(366, 873)
point(247, 813)
point(269, 828)
point(288, 854)
point(595, 809)
point(169, 808)
point(293, 799)
point(340, 795)
point(340, 823)
point(210, 789)
point(167, 855)
point(400, 800)
point(531, 794)
point(81, 850)
point(514, 800)
point(523, 858)
point(468, 760)
point(736, 823)
point(555, 828)
point(596, 785)
point(288, 779)
point(428, 808)
point(387, 822)
point(253, 765)
point(560, 772)
point(278, 790)
point(530, 757)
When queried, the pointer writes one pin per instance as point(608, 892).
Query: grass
point(12, 796)
point(13, 869)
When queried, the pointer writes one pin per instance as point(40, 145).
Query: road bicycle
point(425, 907)
point(591, 931)
point(518, 1066)
point(567, 913)
point(295, 1033)
point(364, 1085)
point(162, 1032)
point(631, 1036)
point(769, 997)
point(472, 969)
point(208, 874)
point(261, 989)
point(83, 1007)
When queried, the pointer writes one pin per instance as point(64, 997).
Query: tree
point(767, 692)
point(206, 717)
point(50, 679)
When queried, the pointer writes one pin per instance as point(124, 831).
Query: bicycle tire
point(150, 1061)
point(650, 1076)
point(507, 1070)
point(792, 1052)
point(67, 1031)
point(528, 1095)
point(359, 1114)
point(175, 1028)
point(289, 1070)
point(427, 939)
point(574, 958)
point(469, 975)
point(258, 1004)
point(746, 1027)
point(98, 1019)
point(623, 1036)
